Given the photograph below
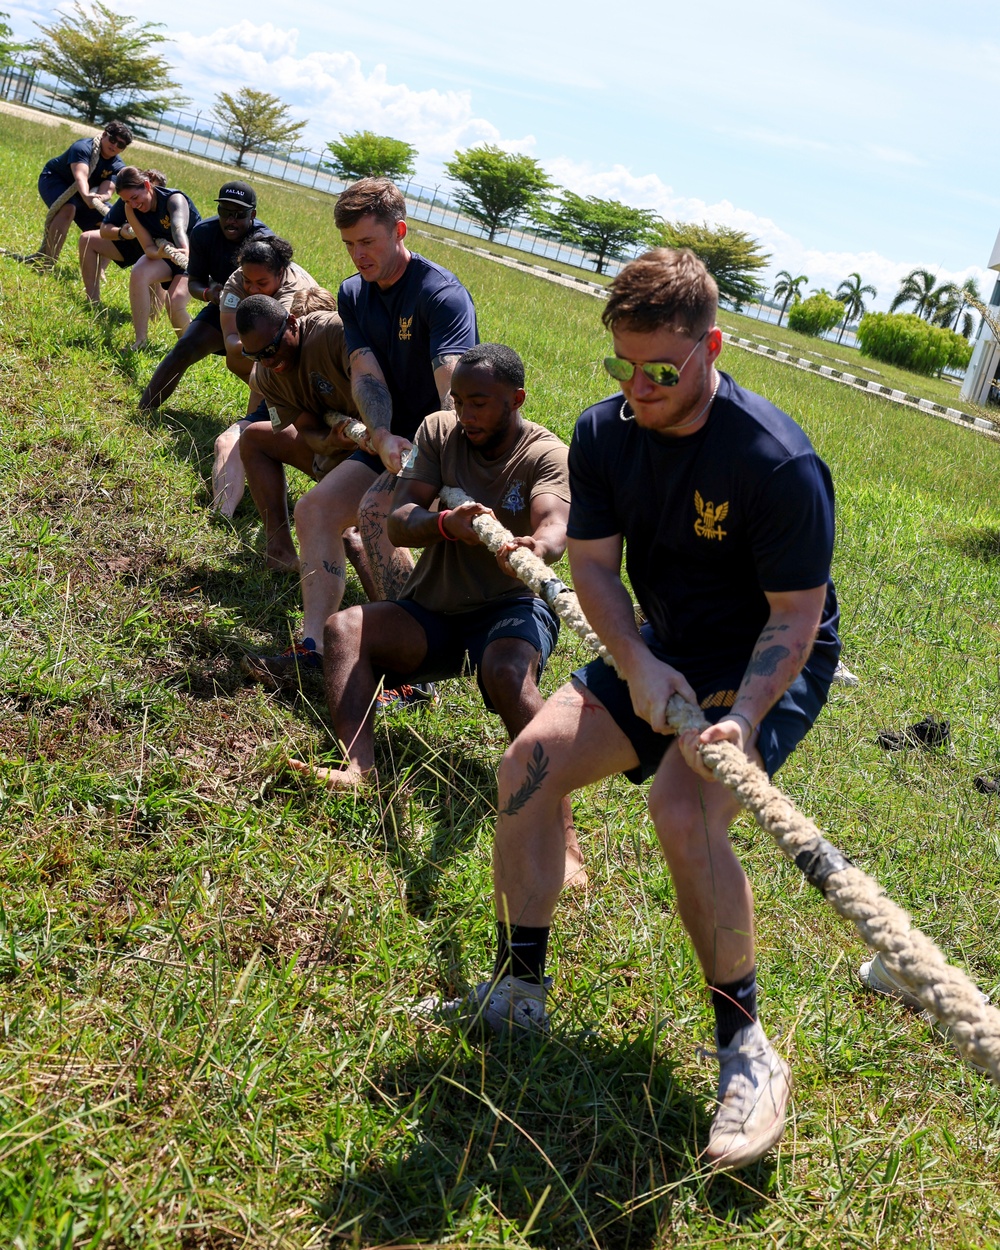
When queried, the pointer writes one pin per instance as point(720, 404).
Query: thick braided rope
point(912, 958)
point(171, 252)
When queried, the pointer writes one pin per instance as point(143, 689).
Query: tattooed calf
point(538, 770)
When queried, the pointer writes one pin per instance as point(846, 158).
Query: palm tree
point(956, 306)
point(918, 288)
point(788, 288)
point(851, 294)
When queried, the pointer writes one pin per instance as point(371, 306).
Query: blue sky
point(845, 136)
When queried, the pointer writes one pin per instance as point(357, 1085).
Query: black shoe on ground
point(926, 733)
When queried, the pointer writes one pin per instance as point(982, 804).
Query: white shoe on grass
point(875, 976)
point(754, 1083)
point(842, 676)
point(499, 1006)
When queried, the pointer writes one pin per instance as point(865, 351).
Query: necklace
point(684, 425)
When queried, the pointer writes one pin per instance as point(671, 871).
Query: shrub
point(907, 340)
point(814, 315)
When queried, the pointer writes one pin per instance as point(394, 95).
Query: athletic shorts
point(451, 636)
point(321, 465)
point(209, 315)
point(781, 730)
point(373, 462)
point(51, 186)
point(131, 251)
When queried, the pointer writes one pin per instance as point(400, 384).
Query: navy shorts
point(209, 315)
point(781, 730)
point(51, 186)
point(131, 251)
point(373, 462)
point(451, 636)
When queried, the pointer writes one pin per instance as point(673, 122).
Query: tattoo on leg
point(538, 770)
point(764, 663)
point(335, 570)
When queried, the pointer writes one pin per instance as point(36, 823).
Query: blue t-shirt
point(425, 314)
point(711, 520)
point(79, 154)
point(213, 256)
point(157, 219)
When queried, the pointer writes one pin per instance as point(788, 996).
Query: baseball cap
point(238, 193)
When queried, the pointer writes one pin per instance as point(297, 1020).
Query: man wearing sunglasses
point(725, 516)
point(214, 244)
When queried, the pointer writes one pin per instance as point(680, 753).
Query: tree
point(8, 49)
point(917, 288)
point(851, 294)
point(255, 118)
point(365, 154)
point(106, 63)
point(951, 304)
point(788, 288)
point(815, 315)
point(499, 187)
point(604, 228)
point(731, 256)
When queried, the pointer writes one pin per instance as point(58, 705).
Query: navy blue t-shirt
point(79, 154)
point(427, 313)
point(157, 219)
point(213, 256)
point(711, 520)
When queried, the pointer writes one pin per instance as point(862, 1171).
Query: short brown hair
point(378, 197)
point(663, 288)
point(313, 299)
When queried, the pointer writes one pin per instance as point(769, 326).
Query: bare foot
point(574, 873)
point(349, 778)
point(282, 564)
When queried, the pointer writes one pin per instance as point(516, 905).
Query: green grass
point(203, 962)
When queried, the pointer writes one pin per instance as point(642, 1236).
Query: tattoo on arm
point(448, 362)
point(538, 770)
point(373, 400)
point(764, 662)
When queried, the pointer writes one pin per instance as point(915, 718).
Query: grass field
point(205, 964)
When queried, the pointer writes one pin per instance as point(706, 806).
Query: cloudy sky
point(845, 136)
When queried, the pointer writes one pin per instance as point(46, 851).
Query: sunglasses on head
point(660, 373)
point(234, 214)
point(272, 348)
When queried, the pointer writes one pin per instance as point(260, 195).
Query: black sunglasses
point(234, 214)
point(272, 348)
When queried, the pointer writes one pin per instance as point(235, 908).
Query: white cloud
point(331, 90)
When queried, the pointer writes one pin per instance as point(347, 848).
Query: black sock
point(735, 1006)
point(521, 952)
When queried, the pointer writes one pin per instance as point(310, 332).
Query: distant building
point(982, 378)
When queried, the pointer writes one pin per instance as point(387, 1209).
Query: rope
point(915, 962)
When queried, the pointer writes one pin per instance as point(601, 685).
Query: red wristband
point(441, 529)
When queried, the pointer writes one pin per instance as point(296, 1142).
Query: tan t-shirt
point(319, 382)
point(296, 279)
point(454, 577)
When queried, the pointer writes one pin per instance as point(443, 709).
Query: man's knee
point(340, 628)
point(254, 440)
point(526, 767)
point(504, 672)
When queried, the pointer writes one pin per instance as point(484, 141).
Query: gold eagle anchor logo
point(709, 516)
point(404, 328)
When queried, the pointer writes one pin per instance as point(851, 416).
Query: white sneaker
point(499, 1006)
point(754, 1083)
point(842, 676)
point(876, 977)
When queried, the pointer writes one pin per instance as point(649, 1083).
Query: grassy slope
point(202, 961)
